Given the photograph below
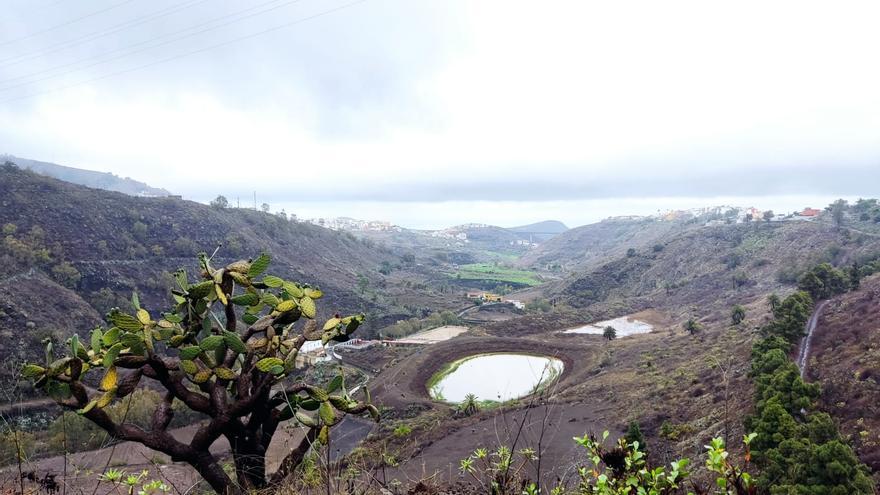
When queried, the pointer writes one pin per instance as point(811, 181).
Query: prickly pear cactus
point(224, 348)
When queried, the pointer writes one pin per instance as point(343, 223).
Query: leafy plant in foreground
point(620, 470)
point(624, 470)
point(232, 373)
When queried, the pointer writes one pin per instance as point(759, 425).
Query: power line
point(193, 52)
point(64, 45)
point(235, 18)
point(47, 6)
point(233, 14)
point(67, 23)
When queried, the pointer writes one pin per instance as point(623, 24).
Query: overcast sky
point(437, 112)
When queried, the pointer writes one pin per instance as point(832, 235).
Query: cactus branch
point(216, 368)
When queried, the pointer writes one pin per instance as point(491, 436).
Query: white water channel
point(804, 350)
point(495, 377)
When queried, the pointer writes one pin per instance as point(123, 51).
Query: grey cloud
point(847, 180)
point(364, 58)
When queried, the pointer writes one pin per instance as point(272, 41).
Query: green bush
point(408, 327)
point(105, 299)
point(692, 326)
point(621, 469)
point(538, 306)
point(139, 230)
point(799, 450)
point(823, 281)
point(16, 443)
point(66, 274)
point(634, 434)
point(402, 430)
point(737, 314)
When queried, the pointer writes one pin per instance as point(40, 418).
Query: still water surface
point(496, 377)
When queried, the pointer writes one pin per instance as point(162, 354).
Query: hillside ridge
point(88, 178)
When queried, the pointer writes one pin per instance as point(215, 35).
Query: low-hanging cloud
point(414, 101)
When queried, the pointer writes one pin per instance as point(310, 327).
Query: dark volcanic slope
point(32, 308)
point(103, 245)
point(106, 232)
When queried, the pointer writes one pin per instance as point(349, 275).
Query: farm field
point(488, 271)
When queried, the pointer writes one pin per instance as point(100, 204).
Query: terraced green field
point(488, 271)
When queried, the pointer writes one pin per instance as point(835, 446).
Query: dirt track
point(652, 378)
point(438, 450)
point(403, 383)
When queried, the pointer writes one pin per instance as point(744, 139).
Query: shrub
point(634, 434)
point(469, 406)
point(66, 274)
point(732, 260)
point(402, 430)
point(692, 326)
point(407, 327)
point(14, 445)
point(184, 246)
point(220, 202)
point(624, 469)
point(823, 281)
point(610, 333)
point(737, 314)
point(385, 268)
point(105, 299)
point(139, 230)
point(740, 279)
point(538, 306)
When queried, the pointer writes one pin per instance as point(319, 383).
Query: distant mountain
point(546, 227)
point(541, 231)
point(88, 178)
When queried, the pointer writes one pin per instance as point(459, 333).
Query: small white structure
point(516, 304)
